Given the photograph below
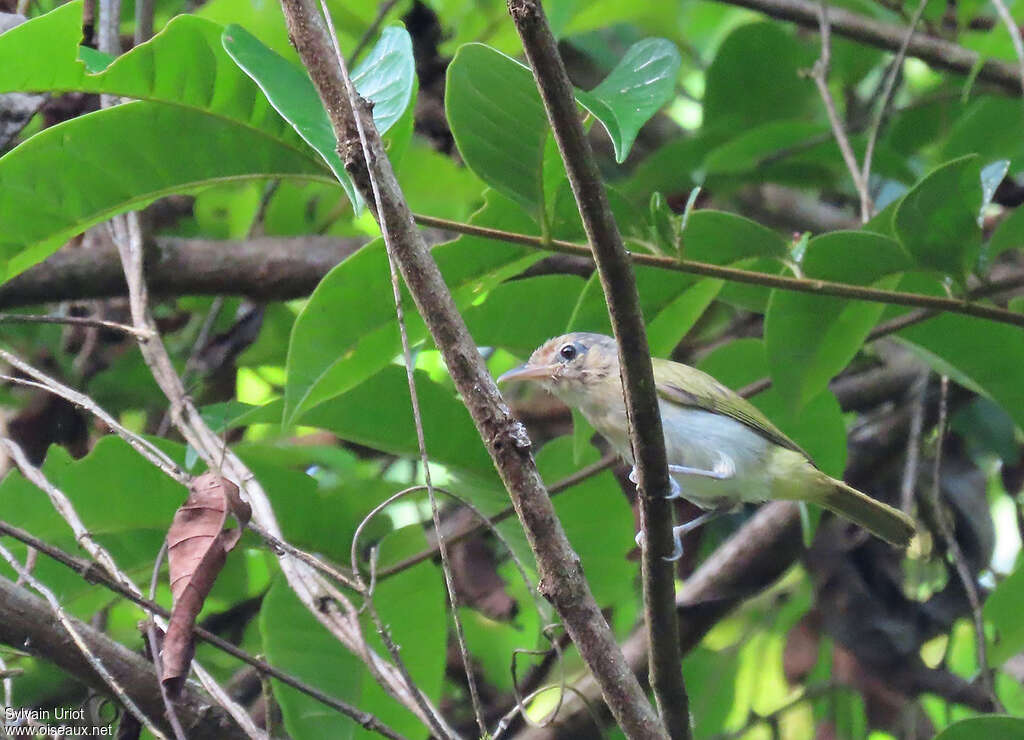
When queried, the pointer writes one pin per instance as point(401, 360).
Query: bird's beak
point(525, 372)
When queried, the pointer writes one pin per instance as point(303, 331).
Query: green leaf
point(378, 414)
point(295, 642)
point(499, 123)
point(746, 151)
point(937, 220)
point(740, 94)
point(810, 338)
point(386, 77)
point(983, 355)
point(347, 331)
point(598, 522)
point(989, 127)
point(1009, 234)
point(723, 238)
point(521, 314)
point(411, 604)
point(104, 163)
point(642, 82)
point(984, 728)
point(673, 321)
point(1003, 608)
point(194, 70)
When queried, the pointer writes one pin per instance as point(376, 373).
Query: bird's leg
point(675, 491)
point(682, 529)
point(723, 469)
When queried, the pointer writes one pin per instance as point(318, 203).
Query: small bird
point(722, 451)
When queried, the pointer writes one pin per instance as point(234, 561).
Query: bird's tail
point(882, 520)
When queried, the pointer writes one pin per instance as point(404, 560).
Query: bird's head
point(573, 367)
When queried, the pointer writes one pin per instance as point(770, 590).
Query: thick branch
point(642, 410)
point(937, 52)
point(561, 577)
point(26, 620)
point(262, 269)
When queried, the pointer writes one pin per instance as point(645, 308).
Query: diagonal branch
point(934, 51)
point(28, 620)
point(642, 410)
point(819, 73)
point(749, 277)
point(561, 575)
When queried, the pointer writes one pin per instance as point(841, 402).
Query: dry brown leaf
point(197, 548)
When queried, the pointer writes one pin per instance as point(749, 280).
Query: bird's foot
point(674, 492)
point(679, 531)
point(723, 469)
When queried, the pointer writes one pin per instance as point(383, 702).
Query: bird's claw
point(674, 492)
point(677, 551)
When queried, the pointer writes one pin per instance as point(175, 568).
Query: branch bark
point(637, 374)
point(936, 52)
point(262, 269)
point(28, 620)
point(561, 576)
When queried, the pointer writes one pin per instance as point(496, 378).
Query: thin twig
point(371, 30)
point(141, 445)
point(94, 662)
point(1014, 30)
point(436, 724)
point(154, 648)
point(637, 374)
point(62, 504)
point(887, 92)
point(819, 73)
point(750, 277)
point(281, 546)
point(945, 527)
point(90, 573)
point(28, 318)
point(144, 11)
point(911, 466)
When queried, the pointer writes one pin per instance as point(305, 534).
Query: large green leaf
point(723, 238)
point(749, 148)
point(984, 728)
point(386, 77)
point(1003, 608)
point(378, 414)
point(642, 82)
point(983, 355)
point(811, 338)
point(937, 221)
point(499, 123)
point(347, 331)
point(96, 166)
point(740, 92)
point(194, 70)
point(521, 314)
point(412, 606)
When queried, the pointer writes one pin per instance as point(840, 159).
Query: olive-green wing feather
point(691, 387)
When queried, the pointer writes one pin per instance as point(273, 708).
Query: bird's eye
point(568, 352)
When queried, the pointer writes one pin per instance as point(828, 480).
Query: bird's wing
point(691, 387)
